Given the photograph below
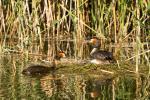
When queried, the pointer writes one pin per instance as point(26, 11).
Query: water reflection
point(57, 86)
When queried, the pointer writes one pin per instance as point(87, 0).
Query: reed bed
point(45, 26)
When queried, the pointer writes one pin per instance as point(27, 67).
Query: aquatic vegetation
point(43, 27)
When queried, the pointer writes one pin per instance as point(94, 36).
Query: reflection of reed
point(52, 83)
point(95, 88)
point(114, 82)
point(79, 87)
point(46, 85)
point(44, 26)
point(142, 87)
point(138, 85)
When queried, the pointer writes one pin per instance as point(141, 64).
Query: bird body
point(37, 69)
point(99, 56)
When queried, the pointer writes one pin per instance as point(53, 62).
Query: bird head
point(94, 41)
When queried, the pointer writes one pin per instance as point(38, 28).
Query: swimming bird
point(41, 69)
point(99, 56)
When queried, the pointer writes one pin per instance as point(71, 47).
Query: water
point(56, 86)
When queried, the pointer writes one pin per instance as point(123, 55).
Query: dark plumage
point(98, 56)
point(37, 70)
point(41, 69)
point(103, 55)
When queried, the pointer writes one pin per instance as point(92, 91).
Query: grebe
point(99, 56)
point(41, 69)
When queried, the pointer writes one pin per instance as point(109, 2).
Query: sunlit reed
point(42, 27)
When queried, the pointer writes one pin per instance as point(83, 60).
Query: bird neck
point(94, 50)
point(54, 62)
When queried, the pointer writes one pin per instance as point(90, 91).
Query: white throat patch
point(96, 61)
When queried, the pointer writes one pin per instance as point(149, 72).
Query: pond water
point(56, 86)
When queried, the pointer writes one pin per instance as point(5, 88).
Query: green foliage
point(28, 25)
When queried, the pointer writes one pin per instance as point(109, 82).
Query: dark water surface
point(55, 86)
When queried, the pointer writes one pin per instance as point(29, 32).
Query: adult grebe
point(99, 56)
point(41, 69)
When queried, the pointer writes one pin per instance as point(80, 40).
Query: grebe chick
point(99, 56)
point(41, 69)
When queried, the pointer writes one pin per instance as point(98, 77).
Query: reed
point(43, 27)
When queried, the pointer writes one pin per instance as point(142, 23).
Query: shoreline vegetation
point(40, 28)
